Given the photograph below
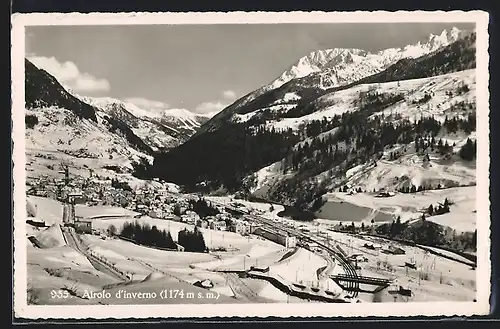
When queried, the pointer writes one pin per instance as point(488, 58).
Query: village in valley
point(350, 178)
point(157, 200)
point(240, 249)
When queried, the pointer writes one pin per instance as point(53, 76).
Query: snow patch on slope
point(337, 103)
point(58, 130)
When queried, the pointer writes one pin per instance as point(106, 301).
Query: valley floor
point(363, 207)
point(59, 267)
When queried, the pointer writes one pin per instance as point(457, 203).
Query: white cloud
point(147, 104)
point(229, 94)
point(69, 75)
point(88, 83)
point(209, 107)
point(212, 108)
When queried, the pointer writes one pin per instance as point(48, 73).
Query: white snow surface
point(342, 66)
point(363, 207)
point(337, 103)
point(59, 130)
point(349, 65)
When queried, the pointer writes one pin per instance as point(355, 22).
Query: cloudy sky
point(202, 68)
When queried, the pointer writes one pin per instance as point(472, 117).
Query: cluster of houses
point(220, 222)
point(94, 191)
point(154, 201)
point(159, 203)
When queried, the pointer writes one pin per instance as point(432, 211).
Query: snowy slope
point(159, 129)
point(341, 66)
point(389, 174)
point(59, 130)
point(62, 127)
point(439, 105)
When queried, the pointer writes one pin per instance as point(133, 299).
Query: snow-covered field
point(96, 211)
point(59, 266)
point(125, 255)
point(213, 238)
point(64, 268)
point(450, 254)
point(43, 162)
point(362, 207)
point(339, 102)
point(48, 210)
point(57, 131)
point(262, 253)
point(271, 292)
point(410, 168)
point(302, 267)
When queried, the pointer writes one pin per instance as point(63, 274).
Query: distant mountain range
point(342, 66)
point(144, 130)
point(325, 92)
point(177, 123)
point(325, 70)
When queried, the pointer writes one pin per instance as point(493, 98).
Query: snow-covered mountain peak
point(443, 39)
point(350, 64)
point(180, 113)
point(109, 103)
point(313, 62)
point(159, 128)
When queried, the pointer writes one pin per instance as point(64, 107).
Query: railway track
point(353, 286)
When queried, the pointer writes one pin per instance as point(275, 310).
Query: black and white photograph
point(234, 164)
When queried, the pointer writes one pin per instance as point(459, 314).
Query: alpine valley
point(398, 120)
point(350, 166)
